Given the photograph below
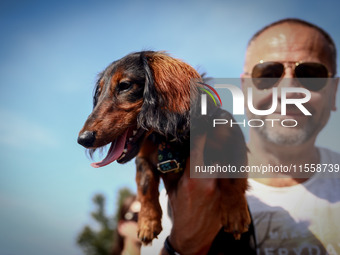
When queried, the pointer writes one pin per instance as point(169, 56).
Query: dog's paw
point(148, 230)
point(235, 220)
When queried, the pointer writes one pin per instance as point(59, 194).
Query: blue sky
point(50, 54)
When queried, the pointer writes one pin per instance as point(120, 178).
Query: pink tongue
point(114, 152)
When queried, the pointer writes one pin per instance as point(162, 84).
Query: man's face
point(287, 43)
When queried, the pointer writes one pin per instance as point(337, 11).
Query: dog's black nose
point(87, 139)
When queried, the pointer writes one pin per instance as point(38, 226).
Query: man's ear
point(336, 82)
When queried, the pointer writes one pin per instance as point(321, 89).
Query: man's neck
point(263, 153)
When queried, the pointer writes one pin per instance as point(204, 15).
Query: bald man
point(298, 213)
point(293, 213)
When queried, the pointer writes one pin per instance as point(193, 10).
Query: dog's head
point(143, 92)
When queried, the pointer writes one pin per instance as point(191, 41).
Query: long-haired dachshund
point(142, 108)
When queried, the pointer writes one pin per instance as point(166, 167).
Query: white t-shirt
point(301, 219)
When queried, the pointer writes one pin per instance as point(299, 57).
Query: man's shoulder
point(328, 156)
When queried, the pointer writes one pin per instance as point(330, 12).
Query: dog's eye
point(124, 86)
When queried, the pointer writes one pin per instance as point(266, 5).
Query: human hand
point(195, 208)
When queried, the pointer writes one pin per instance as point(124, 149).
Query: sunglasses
point(312, 76)
point(131, 216)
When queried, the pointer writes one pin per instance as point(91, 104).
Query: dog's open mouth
point(124, 148)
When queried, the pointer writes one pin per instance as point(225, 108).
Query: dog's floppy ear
point(166, 104)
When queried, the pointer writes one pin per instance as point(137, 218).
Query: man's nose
point(289, 71)
point(290, 81)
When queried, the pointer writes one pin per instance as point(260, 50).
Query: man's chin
point(285, 136)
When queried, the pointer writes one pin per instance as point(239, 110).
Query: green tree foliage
point(99, 241)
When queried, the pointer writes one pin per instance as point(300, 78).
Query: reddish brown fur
point(172, 77)
point(103, 116)
point(147, 181)
point(109, 118)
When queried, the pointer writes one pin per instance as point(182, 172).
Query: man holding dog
point(292, 214)
point(296, 214)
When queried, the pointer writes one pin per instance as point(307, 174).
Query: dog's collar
point(170, 157)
